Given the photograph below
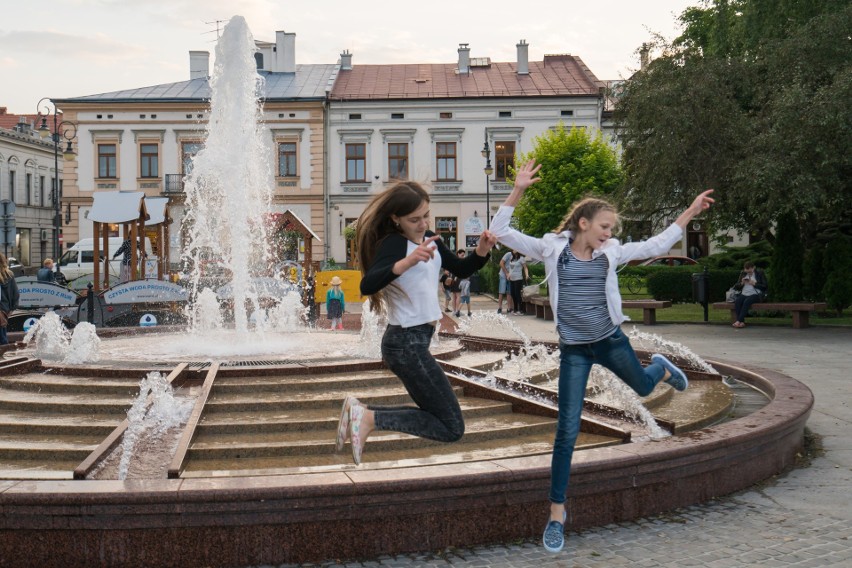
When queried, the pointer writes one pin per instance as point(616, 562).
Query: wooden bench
point(801, 310)
point(649, 308)
point(540, 306)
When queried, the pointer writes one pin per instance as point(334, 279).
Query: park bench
point(540, 307)
point(801, 310)
point(649, 308)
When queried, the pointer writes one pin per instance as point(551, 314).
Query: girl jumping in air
point(400, 260)
point(580, 259)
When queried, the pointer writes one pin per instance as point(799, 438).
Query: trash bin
point(701, 290)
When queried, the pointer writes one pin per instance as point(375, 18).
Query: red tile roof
point(557, 75)
point(9, 121)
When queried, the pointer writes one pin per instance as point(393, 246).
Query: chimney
point(644, 52)
point(346, 61)
point(199, 64)
point(523, 57)
point(285, 52)
point(464, 59)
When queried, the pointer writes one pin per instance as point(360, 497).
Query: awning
point(118, 207)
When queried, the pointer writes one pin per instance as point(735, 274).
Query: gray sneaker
point(554, 535)
point(677, 378)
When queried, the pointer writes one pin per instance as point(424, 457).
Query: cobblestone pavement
point(800, 518)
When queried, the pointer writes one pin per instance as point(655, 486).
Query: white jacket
point(548, 248)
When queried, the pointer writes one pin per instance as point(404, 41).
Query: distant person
point(335, 304)
point(517, 274)
point(464, 289)
point(446, 281)
point(125, 250)
point(580, 260)
point(752, 286)
point(456, 288)
point(503, 290)
point(8, 297)
point(46, 273)
point(400, 260)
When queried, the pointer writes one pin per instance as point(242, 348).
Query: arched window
point(258, 58)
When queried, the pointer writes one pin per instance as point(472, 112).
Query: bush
point(787, 260)
point(760, 253)
point(815, 273)
point(838, 264)
point(674, 283)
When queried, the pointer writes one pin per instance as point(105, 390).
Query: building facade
point(27, 178)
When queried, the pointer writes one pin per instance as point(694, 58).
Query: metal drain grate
point(250, 363)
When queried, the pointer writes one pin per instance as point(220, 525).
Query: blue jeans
point(437, 415)
point(616, 354)
point(743, 304)
point(4, 338)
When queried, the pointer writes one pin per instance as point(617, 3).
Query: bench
point(649, 308)
point(540, 306)
point(801, 310)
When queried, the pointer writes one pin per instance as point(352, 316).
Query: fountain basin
point(289, 518)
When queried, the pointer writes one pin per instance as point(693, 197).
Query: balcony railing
point(174, 183)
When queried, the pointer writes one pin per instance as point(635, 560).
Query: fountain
point(232, 424)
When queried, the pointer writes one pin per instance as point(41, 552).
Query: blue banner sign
point(145, 291)
point(34, 294)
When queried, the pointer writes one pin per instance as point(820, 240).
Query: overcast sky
point(70, 48)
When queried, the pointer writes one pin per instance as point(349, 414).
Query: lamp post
point(486, 153)
point(69, 133)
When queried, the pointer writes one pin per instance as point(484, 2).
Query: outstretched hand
point(524, 176)
point(486, 242)
point(702, 203)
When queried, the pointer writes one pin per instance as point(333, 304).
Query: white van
point(77, 262)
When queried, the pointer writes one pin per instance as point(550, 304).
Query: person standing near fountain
point(400, 260)
point(580, 259)
point(125, 250)
point(8, 297)
point(335, 304)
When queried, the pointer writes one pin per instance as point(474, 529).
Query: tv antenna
point(217, 30)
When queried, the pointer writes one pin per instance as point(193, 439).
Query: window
point(397, 115)
point(504, 158)
point(350, 244)
point(29, 188)
point(107, 161)
point(445, 154)
point(287, 159)
point(41, 191)
point(567, 113)
point(12, 175)
point(445, 115)
point(355, 116)
point(505, 114)
point(188, 150)
point(149, 160)
point(356, 162)
point(397, 161)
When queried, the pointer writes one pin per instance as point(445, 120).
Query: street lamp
point(486, 153)
point(69, 133)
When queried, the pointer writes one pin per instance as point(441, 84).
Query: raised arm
point(524, 177)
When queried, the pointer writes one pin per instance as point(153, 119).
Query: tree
point(787, 260)
point(752, 98)
point(838, 264)
point(574, 165)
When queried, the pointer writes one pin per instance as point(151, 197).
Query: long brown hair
point(585, 209)
point(5, 273)
point(375, 223)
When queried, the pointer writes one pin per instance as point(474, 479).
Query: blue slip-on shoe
point(677, 379)
point(554, 535)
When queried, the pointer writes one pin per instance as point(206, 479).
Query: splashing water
point(657, 344)
point(228, 192)
point(613, 392)
point(206, 315)
point(372, 328)
point(52, 339)
point(151, 421)
point(84, 346)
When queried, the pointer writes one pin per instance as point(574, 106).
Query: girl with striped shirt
point(580, 259)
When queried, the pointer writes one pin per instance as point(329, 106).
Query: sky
point(72, 48)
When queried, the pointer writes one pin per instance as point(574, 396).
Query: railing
point(174, 183)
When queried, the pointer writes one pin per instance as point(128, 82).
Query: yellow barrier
point(351, 285)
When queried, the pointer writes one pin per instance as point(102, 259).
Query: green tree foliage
point(785, 284)
point(574, 165)
point(838, 265)
point(751, 99)
point(813, 279)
